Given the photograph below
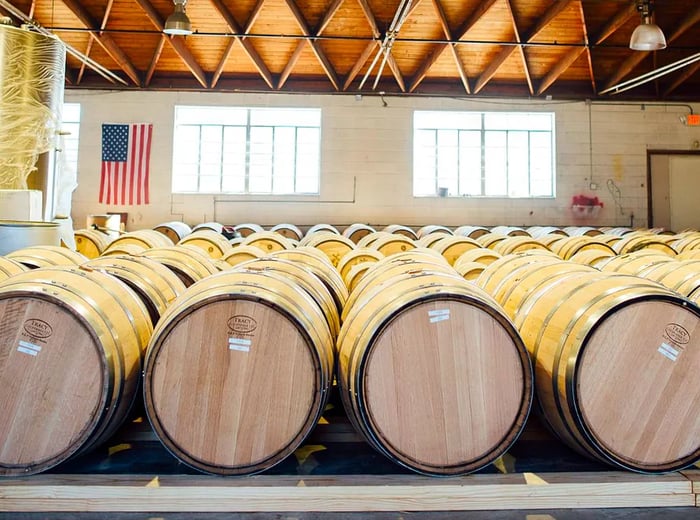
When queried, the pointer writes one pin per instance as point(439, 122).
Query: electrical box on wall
point(692, 120)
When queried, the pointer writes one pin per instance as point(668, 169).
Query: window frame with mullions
point(456, 178)
point(246, 163)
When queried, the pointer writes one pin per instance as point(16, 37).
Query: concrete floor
point(680, 513)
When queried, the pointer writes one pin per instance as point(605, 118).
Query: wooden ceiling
point(571, 49)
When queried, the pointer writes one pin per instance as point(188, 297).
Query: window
point(246, 150)
point(487, 154)
point(70, 124)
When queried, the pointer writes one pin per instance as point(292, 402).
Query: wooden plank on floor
point(188, 493)
point(693, 475)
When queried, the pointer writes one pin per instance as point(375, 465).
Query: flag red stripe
point(138, 137)
point(102, 183)
point(146, 181)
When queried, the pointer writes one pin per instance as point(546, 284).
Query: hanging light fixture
point(647, 36)
point(178, 23)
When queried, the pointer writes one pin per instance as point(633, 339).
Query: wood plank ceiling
point(571, 49)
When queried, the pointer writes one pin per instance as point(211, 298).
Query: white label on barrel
point(28, 348)
point(668, 351)
point(439, 315)
point(242, 345)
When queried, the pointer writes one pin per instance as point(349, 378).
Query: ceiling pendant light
point(178, 23)
point(647, 36)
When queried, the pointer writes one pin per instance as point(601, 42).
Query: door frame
point(650, 153)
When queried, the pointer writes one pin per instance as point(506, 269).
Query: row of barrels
point(433, 370)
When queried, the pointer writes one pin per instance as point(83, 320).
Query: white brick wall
point(369, 144)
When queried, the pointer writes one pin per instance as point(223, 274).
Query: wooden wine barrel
point(510, 231)
point(629, 244)
point(548, 240)
point(452, 247)
point(305, 279)
point(91, 243)
point(634, 263)
point(427, 240)
point(367, 240)
point(689, 254)
point(433, 417)
point(190, 264)
point(398, 229)
point(471, 231)
point(681, 277)
point(469, 270)
point(216, 353)
point(483, 255)
point(357, 256)
point(687, 243)
point(146, 238)
point(70, 364)
point(242, 253)
point(318, 228)
point(569, 246)
point(490, 240)
point(541, 231)
point(268, 241)
point(246, 229)
point(578, 231)
point(393, 265)
point(174, 230)
point(9, 267)
point(212, 243)
point(355, 274)
point(357, 230)
point(124, 249)
point(616, 362)
point(333, 245)
point(621, 231)
point(392, 244)
point(517, 245)
point(492, 276)
point(433, 228)
point(320, 265)
point(216, 227)
point(46, 256)
point(593, 257)
point(289, 231)
point(155, 284)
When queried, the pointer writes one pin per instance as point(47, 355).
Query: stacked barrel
point(431, 334)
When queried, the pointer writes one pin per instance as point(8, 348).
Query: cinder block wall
point(366, 156)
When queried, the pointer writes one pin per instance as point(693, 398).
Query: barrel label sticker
point(439, 315)
point(677, 333)
point(242, 324)
point(239, 344)
point(28, 348)
point(668, 351)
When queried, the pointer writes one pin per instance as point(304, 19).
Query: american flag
point(126, 155)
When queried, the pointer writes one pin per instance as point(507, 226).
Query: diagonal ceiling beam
point(554, 10)
point(442, 18)
point(257, 9)
point(587, 42)
point(615, 23)
point(437, 51)
point(105, 17)
point(245, 43)
point(176, 42)
point(315, 45)
point(330, 12)
point(357, 67)
point(105, 40)
point(521, 49)
point(637, 57)
point(154, 61)
point(685, 75)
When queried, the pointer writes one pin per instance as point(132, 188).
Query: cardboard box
point(20, 205)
